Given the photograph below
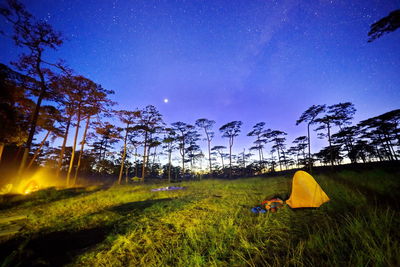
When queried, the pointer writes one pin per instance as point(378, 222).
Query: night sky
point(230, 60)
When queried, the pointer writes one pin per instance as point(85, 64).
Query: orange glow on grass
point(30, 187)
point(41, 179)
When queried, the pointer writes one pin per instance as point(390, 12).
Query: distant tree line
point(44, 101)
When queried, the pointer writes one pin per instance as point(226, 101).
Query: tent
point(306, 192)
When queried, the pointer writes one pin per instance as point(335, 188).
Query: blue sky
point(230, 60)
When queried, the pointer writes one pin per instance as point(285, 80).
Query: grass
point(209, 224)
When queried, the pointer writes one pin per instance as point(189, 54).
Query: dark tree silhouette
point(309, 116)
point(301, 143)
point(325, 123)
point(230, 131)
point(207, 125)
point(258, 131)
point(36, 36)
point(169, 145)
point(387, 24)
point(149, 122)
point(278, 140)
point(129, 118)
point(15, 107)
point(219, 150)
point(182, 130)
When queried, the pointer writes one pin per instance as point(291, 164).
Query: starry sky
point(230, 60)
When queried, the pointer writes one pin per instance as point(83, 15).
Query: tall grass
point(210, 224)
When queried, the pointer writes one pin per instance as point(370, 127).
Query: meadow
point(208, 224)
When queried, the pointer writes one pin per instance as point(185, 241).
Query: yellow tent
point(306, 192)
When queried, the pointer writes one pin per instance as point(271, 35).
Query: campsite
point(210, 224)
point(199, 133)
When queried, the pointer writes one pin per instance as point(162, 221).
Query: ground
point(208, 224)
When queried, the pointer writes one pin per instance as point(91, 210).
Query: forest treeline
point(42, 101)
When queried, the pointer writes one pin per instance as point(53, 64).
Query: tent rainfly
point(306, 192)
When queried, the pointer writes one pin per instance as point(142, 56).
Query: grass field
point(209, 224)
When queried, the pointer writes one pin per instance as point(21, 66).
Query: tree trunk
point(34, 117)
point(390, 145)
point(123, 155)
point(60, 160)
point(38, 150)
point(136, 169)
point(144, 158)
point(154, 155)
point(169, 166)
point(209, 155)
point(330, 143)
point(284, 159)
point(230, 158)
point(279, 160)
point(78, 165)
point(71, 163)
point(1, 150)
point(183, 156)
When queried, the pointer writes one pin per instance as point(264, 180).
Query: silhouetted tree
point(36, 36)
point(309, 117)
point(278, 140)
point(149, 122)
point(301, 145)
point(230, 131)
point(258, 131)
point(169, 145)
point(129, 118)
point(15, 107)
point(219, 150)
point(387, 24)
point(182, 130)
point(97, 102)
point(207, 125)
point(325, 123)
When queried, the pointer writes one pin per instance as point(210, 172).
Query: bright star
point(165, 100)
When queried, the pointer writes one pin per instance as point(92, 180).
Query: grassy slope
point(210, 223)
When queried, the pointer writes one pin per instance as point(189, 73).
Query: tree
point(387, 24)
point(219, 150)
point(383, 131)
point(129, 118)
point(193, 149)
point(346, 137)
point(97, 103)
point(301, 144)
point(207, 125)
point(182, 130)
point(278, 139)
point(309, 117)
point(149, 122)
point(81, 93)
point(49, 117)
point(326, 124)
point(230, 131)
point(258, 131)
point(134, 143)
point(326, 155)
point(105, 136)
point(36, 36)
point(341, 115)
point(169, 145)
point(15, 107)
